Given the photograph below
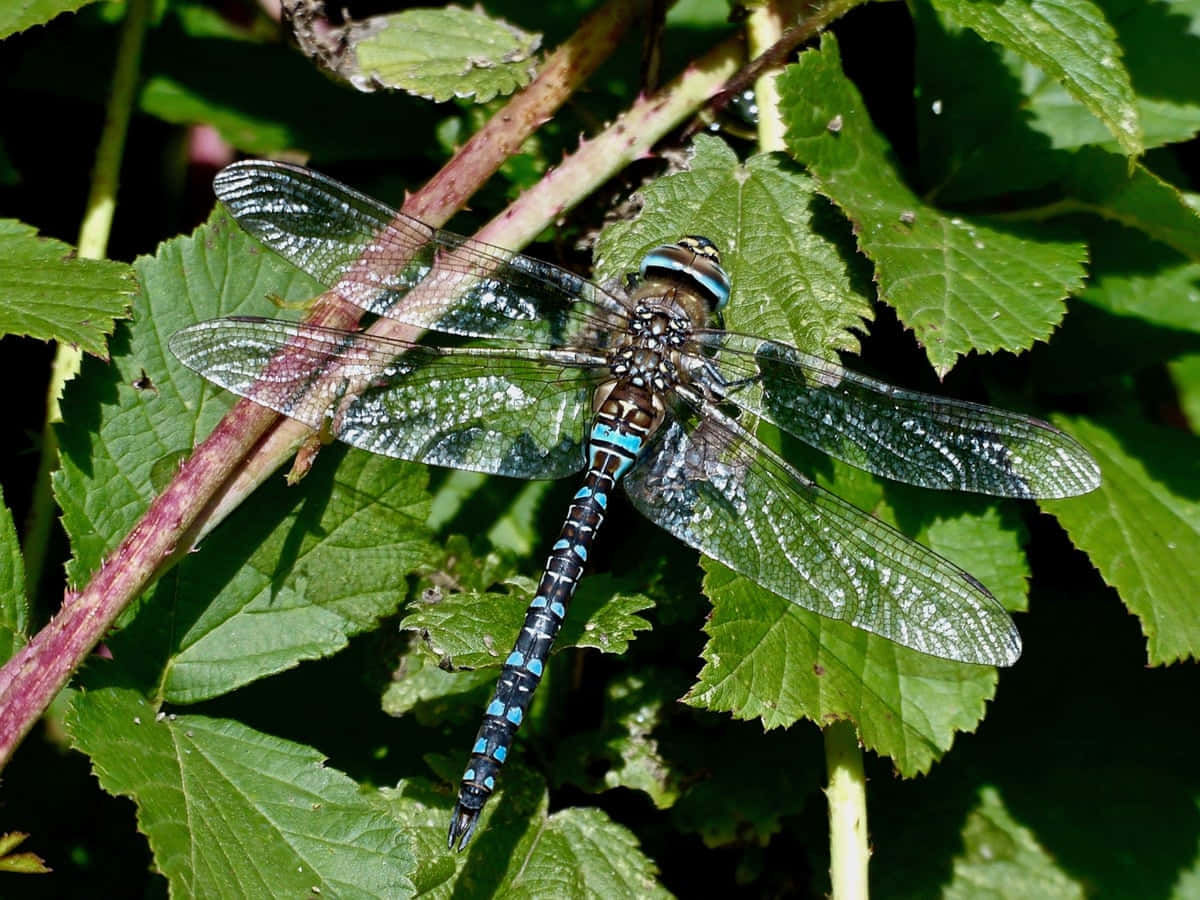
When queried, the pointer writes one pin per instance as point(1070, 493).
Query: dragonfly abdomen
point(616, 438)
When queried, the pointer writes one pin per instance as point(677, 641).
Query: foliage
point(288, 707)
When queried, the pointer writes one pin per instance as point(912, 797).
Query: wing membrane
point(501, 411)
point(393, 265)
point(714, 486)
point(921, 439)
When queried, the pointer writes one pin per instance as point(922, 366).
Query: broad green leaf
point(1070, 40)
point(432, 693)
point(288, 577)
point(440, 54)
point(1141, 529)
point(473, 630)
point(19, 15)
point(1134, 276)
point(780, 245)
point(626, 749)
point(992, 124)
point(520, 851)
point(1102, 183)
point(14, 607)
point(232, 812)
point(50, 294)
point(1001, 857)
point(768, 658)
point(960, 284)
point(1159, 43)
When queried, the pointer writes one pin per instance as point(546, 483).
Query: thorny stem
point(251, 441)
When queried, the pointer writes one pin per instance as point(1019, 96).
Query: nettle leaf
point(232, 812)
point(768, 658)
point(999, 854)
point(1102, 183)
point(1134, 276)
point(50, 294)
point(472, 630)
point(440, 54)
point(433, 694)
point(626, 748)
point(289, 577)
point(790, 278)
point(14, 607)
point(1070, 40)
point(992, 123)
point(1159, 45)
point(960, 284)
point(1141, 528)
point(24, 14)
point(520, 850)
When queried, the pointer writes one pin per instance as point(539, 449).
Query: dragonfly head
point(695, 260)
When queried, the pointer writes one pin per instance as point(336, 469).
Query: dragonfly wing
point(714, 486)
point(917, 438)
point(499, 411)
point(377, 257)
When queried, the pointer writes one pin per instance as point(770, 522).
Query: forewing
point(393, 265)
point(500, 411)
point(917, 438)
point(714, 486)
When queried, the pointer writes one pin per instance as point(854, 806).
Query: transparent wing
point(376, 257)
point(501, 411)
point(714, 486)
point(917, 438)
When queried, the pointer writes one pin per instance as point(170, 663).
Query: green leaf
point(287, 577)
point(52, 295)
point(992, 124)
point(22, 14)
point(23, 863)
point(1141, 529)
point(960, 284)
point(1134, 276)
point(1070, 40)
point(1160, 46)
point(1000, 854)
point(789, 276)
point(231, 812)
point(472, 630)
point(432, 693)
point(440, 54)
point(626, 748)
point(1102, 183)
point(14, 607)
point(520, 851)
point(768, 658)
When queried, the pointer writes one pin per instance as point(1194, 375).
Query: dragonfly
point(520, 368)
